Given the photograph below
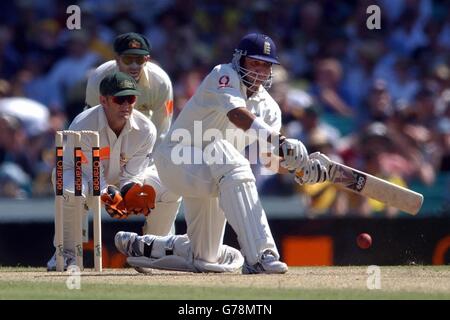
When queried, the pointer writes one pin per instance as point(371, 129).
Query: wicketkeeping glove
point(315, 171)
point(114, 203)
point(138, 199)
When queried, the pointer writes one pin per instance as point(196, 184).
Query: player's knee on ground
point(172, 253)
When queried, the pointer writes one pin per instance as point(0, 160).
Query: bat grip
point(280, 149)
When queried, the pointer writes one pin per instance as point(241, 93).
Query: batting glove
point(295, 155)
point(315, 171)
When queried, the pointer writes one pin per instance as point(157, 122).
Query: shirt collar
point(102, 121)
point(132, 121)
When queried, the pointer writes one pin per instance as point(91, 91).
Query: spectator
point(9, 55)
point(307, 112)
point(14, 158)
point(328, 89)
point(33, 115)
point(378, 156)
point(70, 70)
point(378, 106)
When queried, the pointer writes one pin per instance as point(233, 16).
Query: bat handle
point(281, 139)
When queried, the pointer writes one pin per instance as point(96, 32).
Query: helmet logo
point(266, 47)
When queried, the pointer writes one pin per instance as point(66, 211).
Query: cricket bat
point(370, 186)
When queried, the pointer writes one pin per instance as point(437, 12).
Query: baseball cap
point(118, 84)
point(259, 46)
point(131, 43)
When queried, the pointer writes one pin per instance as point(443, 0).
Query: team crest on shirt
point(224, 81)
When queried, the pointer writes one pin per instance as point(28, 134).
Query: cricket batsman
point(211, 173)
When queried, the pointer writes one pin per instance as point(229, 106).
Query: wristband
point(261, 130)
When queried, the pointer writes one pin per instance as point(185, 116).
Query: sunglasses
point(130, 59)
point(121, 99)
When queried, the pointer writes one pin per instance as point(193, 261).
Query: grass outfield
point(397, 282)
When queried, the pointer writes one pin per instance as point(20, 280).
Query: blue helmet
point(256, 46)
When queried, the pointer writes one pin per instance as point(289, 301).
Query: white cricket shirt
point(220, 92)
point(123, 158)
point(155, 101)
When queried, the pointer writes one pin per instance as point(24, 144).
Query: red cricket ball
point(364, 241)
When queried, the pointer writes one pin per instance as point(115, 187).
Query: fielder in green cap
point(118, 84)
point(118, 97)
point(132, 57)
point(131, 43)
point(129, 184)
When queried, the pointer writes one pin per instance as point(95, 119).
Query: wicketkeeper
point(128, 184)
point(155, 100)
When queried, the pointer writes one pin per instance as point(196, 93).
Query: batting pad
point(174, 263)
point(239, 200)
point(230, 260)
point(180, 257)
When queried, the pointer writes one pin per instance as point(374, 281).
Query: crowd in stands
point(377, 100)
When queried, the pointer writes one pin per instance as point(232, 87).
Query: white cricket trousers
point(214, 193)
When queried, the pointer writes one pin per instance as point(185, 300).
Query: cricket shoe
point(267, 264)
point(69, 260)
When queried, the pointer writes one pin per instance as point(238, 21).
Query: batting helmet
point(258, 46)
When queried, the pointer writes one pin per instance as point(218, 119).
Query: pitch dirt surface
point(397, 282)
